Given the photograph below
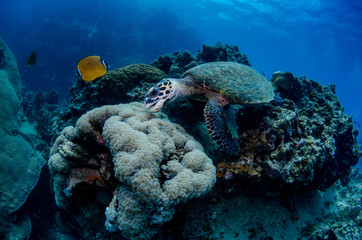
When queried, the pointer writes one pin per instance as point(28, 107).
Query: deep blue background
point(319, 39)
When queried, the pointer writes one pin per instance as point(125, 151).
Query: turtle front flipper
point(218, 129)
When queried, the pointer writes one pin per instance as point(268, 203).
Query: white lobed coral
point(157, 165)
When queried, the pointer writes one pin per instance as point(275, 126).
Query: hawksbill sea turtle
point(219, 84)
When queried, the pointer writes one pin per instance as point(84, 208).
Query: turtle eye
point(154, 91)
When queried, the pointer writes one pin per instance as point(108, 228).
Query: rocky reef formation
point(292, 179)
point(131, 83)
point(42, 111)
point(303, 139)
point(20, 164)
point(175, 64)
point(125, 84)
point(138, 166)
point(332, 214)
point(345, 220)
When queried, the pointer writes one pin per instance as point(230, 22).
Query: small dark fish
point(2, 58)
point(32, 59)
point(92, 67)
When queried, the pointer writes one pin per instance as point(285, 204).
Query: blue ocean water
point(317, 38)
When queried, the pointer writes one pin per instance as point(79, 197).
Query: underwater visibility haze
point(318, 39)
point(120, 172)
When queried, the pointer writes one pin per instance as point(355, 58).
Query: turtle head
point(159, 94)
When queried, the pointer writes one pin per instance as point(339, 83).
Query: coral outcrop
point(345, 221)
point(124, 173)
point(147, 165)
point(126, 84)
point(41, 112)
point(303, 139)
point(331, 214)
point(20, 164)
point(175, 64)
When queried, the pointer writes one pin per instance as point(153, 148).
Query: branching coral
point(149, 163)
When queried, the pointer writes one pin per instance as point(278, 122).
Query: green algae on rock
point(302, 140)
point(125, 84)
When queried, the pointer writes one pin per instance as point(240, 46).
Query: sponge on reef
point(156, 165)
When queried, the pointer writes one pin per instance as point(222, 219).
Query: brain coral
point(147, 163)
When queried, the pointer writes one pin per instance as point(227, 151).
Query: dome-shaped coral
point(148, 162)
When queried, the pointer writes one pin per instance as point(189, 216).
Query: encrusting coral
point(303, 138)
point(177, 63)
point(126, 84)
point(146, 162)
point(20, 164)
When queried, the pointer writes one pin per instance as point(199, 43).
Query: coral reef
point(345, 222)
point(2, 58)
point(175, 64)
point(20, 164)
point(221, 52)
point(147, 165)
point(333, 214)
point(125, 84)
point(139, 175)
point(304, 139)
point(42, 111)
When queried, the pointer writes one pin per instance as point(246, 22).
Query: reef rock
point(20, 164)
point(345, 221)
point(135, 166)
point(303, 139)
point(125, 84)
point(131, 171)
point(175, 64)
point(41, 111)
point(331, 214)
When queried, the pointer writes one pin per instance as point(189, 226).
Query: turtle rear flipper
point(218, 129)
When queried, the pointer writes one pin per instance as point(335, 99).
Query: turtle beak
point(152, 105)
point(148, 102)
point(152, 101)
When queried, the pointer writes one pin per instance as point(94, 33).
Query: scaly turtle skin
point(219, 84)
